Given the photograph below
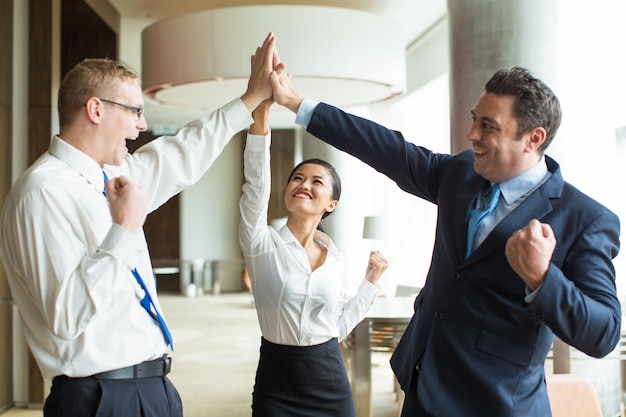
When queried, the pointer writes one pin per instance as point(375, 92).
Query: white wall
point(591, 86)
point(408, 223)
point(209, 210)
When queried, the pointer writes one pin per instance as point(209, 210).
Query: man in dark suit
point(540, 264)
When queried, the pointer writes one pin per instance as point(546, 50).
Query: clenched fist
point(128, 203)
point(376, 265)
point(529, 252)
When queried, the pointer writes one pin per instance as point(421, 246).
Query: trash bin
point(195, 286)
point(226, 276)
point(185, 276)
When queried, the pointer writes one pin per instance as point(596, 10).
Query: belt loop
point(168, 365)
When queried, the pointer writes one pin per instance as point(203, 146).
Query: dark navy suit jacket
point(474, 347)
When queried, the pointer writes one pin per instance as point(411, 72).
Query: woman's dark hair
point(333, 172)
point(535, 104)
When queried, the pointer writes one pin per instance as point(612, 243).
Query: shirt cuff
point(531, 295)
point(258, 143)
point(123, 245)
point(368, 291)
point(305, 112)
point(237, 114)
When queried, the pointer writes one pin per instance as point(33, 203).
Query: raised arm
point(254, 201)
point(356, 307)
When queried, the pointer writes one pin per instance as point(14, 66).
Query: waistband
point(273, 348)
point(148, 369)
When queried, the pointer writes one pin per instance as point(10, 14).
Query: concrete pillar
point(487, 35)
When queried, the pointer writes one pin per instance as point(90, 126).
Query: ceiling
point(414, 16)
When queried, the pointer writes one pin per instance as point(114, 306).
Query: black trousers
point(91, 397)
point(302, 381)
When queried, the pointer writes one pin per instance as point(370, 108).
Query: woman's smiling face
point(310, 191)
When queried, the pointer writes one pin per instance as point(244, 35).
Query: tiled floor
point(217, 340)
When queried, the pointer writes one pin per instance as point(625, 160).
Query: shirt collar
point(516, 187)
point(320, 237)
point(81, 162)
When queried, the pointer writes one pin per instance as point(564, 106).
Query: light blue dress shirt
point(514, 192)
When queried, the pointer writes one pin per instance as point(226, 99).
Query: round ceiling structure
point(342, 56)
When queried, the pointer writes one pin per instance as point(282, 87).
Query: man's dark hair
point(535, 104)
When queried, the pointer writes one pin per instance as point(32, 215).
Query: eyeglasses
point(137, 110)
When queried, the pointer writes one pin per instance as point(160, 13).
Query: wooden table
point(380, 330)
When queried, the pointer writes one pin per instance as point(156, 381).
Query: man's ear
point(94, 109)
point(536, 138)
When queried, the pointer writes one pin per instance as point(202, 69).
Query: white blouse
point(295, 305)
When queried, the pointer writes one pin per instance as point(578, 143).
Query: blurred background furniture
point(572, 396)
point(193, 277)
point(227, 275)
point(379, 331)
point(167, 273)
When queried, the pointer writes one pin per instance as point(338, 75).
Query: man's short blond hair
point(93, 77)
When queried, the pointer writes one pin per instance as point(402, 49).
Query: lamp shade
point(372, 227)
point(342, 56)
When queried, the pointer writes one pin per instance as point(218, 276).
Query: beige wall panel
point(5, 181)
point(6, 51)
point(6, 75)
point(6, 387)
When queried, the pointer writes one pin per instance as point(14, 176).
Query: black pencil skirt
point(302, 381)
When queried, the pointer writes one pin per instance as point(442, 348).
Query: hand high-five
point(283, 91)
point(262, 63)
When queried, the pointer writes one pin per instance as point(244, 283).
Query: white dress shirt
point(295, 305)
point(69, 266)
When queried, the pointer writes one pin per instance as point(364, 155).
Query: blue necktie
point(477, 216)
point(146, 302)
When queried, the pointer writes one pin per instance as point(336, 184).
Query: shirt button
point(455, 276)
point(417, 367)
point(438, 315)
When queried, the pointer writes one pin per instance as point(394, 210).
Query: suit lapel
point(536, 206)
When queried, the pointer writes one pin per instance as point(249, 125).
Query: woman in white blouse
point(300, 286)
